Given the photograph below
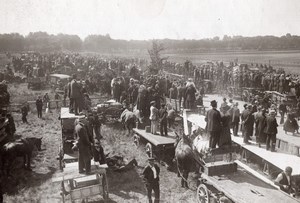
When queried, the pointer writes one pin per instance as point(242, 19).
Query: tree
point(155, 56)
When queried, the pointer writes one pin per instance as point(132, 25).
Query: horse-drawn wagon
point(221, 177)
point(73, 184)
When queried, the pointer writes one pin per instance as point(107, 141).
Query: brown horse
point(184, 158)
point(19, 148)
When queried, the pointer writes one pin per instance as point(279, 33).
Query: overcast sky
point(149, 19)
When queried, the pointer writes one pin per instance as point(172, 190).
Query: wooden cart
point(239, 187)
point(73, 184)
point(80, 186)
point(155, 144)
point(227, 179)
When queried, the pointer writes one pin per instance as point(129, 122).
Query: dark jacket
point(213, 119)
point(74, 91)
point(148, 175)
point(190, 93)
point(39, 103)
point(271, 125)
point(163, 115)
point(84, 143)
point(248, 120)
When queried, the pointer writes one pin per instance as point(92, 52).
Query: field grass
point(36, 186)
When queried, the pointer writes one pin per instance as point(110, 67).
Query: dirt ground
point(36, 186)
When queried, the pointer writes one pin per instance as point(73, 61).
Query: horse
point(19, 148)
point(184, 158)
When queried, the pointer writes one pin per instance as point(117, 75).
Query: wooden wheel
point(149, 149)
point(202, 194)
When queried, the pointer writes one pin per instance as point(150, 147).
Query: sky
point(152, 19)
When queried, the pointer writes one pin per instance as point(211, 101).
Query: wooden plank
point(71, 171)
point(280, 160)
point(156, 140)
point(256, 174)
point(243, 187)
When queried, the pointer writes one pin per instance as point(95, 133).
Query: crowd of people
point(150, 99)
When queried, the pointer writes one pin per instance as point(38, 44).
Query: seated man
point(284, 180)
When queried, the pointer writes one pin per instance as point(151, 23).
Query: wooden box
point(219, 168)
point(148, 129)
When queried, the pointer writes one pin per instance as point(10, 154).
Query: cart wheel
point(136, 140)
point(202, 194)
point(149, 150)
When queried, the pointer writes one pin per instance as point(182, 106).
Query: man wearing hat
point(247, 118)
point(84, 146)
point(214, 124)
point(151, 180)
point(163, 121)
point(271, 130)
point(284, 180)
point(75, 94)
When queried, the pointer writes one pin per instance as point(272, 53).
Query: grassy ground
point(36, 186)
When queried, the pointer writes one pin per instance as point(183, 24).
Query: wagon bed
point(155, 143)
point(156, 140)
point(243, 187)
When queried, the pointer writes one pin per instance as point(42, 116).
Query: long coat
point(213, 119)
point(271, 125)
point(74, 90)
point(84, 143)
point(248, 122)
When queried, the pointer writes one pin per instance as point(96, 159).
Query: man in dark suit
point(271, 130)
point(151, 179)
point(235, 118)
point(39, 106)
point(247, 118)
point(214, 124)
point(75, 94)
point(84, 146)
point(163, 121)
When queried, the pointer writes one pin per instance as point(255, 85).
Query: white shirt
point(280, 177)
point(154, 172)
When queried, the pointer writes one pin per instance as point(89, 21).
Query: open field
point(289, 60)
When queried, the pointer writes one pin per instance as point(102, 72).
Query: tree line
point(42, 41)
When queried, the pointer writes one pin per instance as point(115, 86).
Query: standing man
point(214, 124)
point(75, 94)
point(235, 118)
point(271, 130)
point(84, 147)
point(39, 106)
point(56, 97)
point(282, 110)
point(247, 118)
point(46, 100)
point(151, 179)
point(24, 111)
point(163, 122)
point(260, 122)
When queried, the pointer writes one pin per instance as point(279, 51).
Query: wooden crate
point(219, 168)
